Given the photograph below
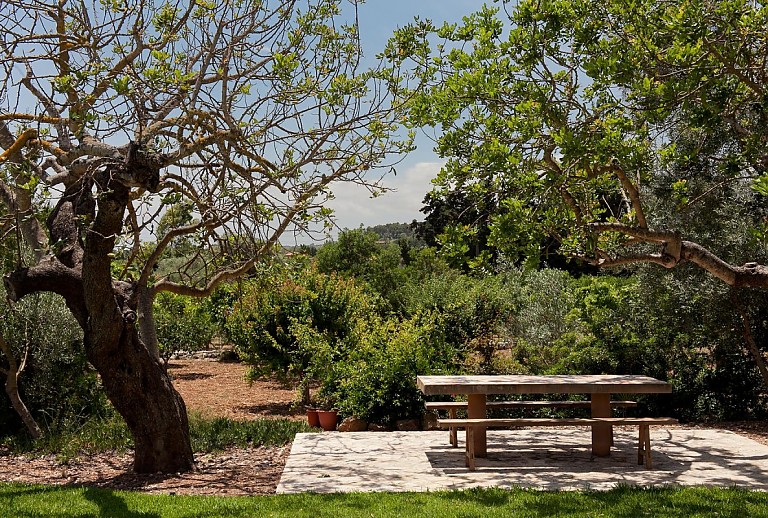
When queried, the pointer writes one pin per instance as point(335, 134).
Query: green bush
point(281, 325)
point(545, 299)
point(183, 324)
point(651, 324)
point(675, 326)
point(58, 385)
point(376, 380)
point(350, 255)
point(478, 314)
point(377, 267)
point(697, 325)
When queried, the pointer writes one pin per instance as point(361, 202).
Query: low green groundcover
point(624, 501)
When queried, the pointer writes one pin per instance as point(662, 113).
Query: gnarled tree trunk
point(147, 323)
point(141, 391)
point(133, 377)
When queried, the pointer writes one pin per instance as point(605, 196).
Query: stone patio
point(545, 458)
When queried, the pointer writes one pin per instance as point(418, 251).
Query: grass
point(220, 433)
point(207, 434)
point(630, 502)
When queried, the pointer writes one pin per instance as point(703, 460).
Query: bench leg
point(602, 434)
point(452, 431)
point(644, 446)
point(470, 452)
point(476, 404)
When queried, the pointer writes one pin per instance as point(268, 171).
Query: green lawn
point(40, 501)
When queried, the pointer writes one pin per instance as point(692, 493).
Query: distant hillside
point(393, 231)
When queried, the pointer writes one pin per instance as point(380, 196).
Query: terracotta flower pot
point(312, 418)
point(327, 419)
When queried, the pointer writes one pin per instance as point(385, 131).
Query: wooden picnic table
point(598, 386)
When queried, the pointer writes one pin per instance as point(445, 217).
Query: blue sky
point(353, 205)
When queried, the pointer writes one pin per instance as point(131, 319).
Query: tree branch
point(49, 275)
point(18, 145)
point(750, 275)
point(632, 192)
point(643, 234)
point(675, 250)
point(660, 259)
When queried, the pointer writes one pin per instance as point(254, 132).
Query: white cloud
point(354, 205)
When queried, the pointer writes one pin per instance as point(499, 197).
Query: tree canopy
point(238, 116)
point(628, 132)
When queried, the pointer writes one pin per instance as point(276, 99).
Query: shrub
point(183, 324)
point(58, 385)
point(478, 314)
point(350, 254)
point(376, 380)
point(281, 324)
point(377, 267)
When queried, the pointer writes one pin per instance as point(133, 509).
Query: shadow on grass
point(111, 504)
point(108, 502)
point(12, 490)
point(622, 501)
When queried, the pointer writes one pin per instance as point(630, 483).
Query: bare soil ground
point(217, 389)
point(209, 388)
point(212, 389)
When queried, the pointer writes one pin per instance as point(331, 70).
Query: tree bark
point(147, 324)
point(675, 251)
point(135, 381)
point(12, 389)
point(133, 377)
point(141, 391)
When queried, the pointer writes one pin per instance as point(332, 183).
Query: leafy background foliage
point(554, 106)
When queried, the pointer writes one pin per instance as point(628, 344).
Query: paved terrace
point(551, 459)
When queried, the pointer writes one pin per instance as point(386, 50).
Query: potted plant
point(326, 413)
point(328, 419)
point(313, 419)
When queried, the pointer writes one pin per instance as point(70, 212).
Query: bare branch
point(632, 191)
point(18, 145)
point(642, 234)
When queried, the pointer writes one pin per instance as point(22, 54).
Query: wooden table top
point(526, 384)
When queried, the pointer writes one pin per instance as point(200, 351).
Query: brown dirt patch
point(209, 388)
point(250, 471)
point(216, 389)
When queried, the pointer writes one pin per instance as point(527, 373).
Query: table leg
point(476, 410)
point(602, 434)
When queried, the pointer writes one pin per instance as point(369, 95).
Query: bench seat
point(644, 423)
point(453, 406)
point(462, 405)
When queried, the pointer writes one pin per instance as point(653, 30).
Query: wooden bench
point(644, 423)
point(453, 406)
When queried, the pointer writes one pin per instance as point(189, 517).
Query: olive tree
point(245, 111)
